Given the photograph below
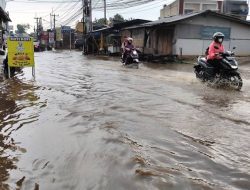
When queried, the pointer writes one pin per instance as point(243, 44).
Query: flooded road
point(88, 123)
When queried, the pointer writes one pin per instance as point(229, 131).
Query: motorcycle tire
point(236, 82)
point(199, 73)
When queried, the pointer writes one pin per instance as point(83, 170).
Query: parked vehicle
point(228, 75)
point(132, 59)
point(36, 46)
point(78, 44)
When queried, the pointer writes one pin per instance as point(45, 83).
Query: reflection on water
point(89, 123)
point(15, 96)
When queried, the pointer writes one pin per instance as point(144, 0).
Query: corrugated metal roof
point(178, 18)
point(130, 23)
point(171, 19)
point(118, 26)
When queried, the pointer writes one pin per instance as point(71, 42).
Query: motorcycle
point(132, 59)
point(228, 76)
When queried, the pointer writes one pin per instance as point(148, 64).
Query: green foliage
point(116, 19)
point(119, 17)
point(21, 28)
point(101, 21)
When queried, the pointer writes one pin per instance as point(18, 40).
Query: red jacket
point(212, 51)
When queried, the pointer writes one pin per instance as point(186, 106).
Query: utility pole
point(83, 27)
point(37, 26)
point(54, 27)
point(87, 21)
point(105, 12)
point(90, 16)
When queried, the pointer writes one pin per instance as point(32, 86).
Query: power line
point(70, 9)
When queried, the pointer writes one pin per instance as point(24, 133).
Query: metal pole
point(54, 30)
point(8, 71)
point(90, 15)
point(83, 28)
point(33, 72)
point(105, 12)
point(70, 40)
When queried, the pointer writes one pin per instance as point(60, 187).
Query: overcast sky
point(24, 11)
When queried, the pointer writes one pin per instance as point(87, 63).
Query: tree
point(101, 21)
point(118, 18)
point(21, 28)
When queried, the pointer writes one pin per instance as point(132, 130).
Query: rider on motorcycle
point(128, 47)
point(215, 48)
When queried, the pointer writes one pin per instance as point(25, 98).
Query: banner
point(58, 34)
point(20, 52)
point(51, 37)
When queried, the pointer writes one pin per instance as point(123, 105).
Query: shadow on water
point(170, 66)
point(15, 96)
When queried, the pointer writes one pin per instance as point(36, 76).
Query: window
point(191, 7)
point(187, 11)
point(209, 7)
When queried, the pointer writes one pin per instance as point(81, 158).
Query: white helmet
point(130, 39)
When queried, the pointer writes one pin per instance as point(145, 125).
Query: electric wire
point(68, 11)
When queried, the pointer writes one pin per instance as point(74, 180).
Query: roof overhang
point(4, 15)
point(179, 18)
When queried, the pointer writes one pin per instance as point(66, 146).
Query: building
point(190, 34)
point(180, 7)
point(108, 40)
point(237, 8)
point(4, 19)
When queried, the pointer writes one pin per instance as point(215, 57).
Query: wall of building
point(199, 5)
point(170, 10)
point(138, 37)
point(188, 6)
point(193, 47)
point(191, 38)
point(236, 7)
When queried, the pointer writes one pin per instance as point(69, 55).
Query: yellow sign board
point(20, 52)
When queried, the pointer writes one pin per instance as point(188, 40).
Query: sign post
point(21, 53)
point(70, 40)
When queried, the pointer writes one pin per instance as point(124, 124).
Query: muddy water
point(88, 123)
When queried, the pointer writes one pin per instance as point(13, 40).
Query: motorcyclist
point(215, 48)
point(124, 43)
point(128, 47)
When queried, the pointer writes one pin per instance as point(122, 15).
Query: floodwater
point(87, 123)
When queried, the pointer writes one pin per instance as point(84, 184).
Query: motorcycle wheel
point(199, 73)
point(235, 81)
